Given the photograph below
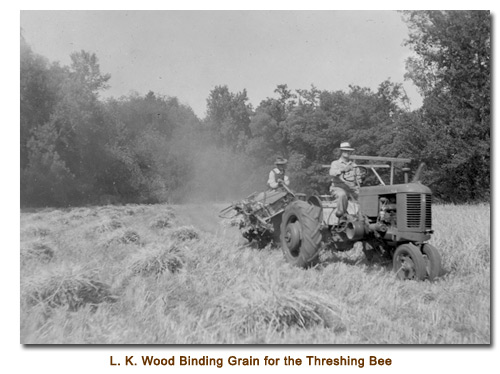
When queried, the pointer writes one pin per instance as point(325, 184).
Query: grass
point(176, 275)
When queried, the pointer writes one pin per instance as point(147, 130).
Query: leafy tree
point(268, 130)
point(46, 180)
point(79, 119)
point(453, 49)
point(38, 94)
point(322, 120)
point(452, 70)
point(86, 71)
point(228, 117)
point(154, 140)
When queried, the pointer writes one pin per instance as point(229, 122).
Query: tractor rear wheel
point(300, 234)
point(408, 262)
point(432, 260)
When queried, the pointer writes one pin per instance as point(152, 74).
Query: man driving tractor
point(346, 179)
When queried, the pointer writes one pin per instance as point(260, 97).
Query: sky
point(188, 53)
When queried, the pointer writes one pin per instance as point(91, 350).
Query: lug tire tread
point(308, 216)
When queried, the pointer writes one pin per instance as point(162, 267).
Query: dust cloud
point(220, 175)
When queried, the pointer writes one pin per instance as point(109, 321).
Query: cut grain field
point(161, 274)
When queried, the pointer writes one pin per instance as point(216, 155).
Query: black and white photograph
point(255, 177)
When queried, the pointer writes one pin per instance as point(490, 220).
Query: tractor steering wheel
point(362, 171)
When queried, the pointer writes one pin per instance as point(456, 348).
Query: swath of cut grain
point(155, 260)
point(70, 288)
point(164, 219)
point(37, 252)
point(185, 233)
point(119, 236)
point(250, 308)
point(109, 225)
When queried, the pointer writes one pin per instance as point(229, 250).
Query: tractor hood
point(394, 188)
point(369, 196)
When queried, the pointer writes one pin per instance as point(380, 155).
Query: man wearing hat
point(277, 176)
point(346, 178)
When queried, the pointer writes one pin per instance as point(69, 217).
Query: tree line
point(77, 148)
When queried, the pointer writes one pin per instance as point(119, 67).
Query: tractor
point(391, 220)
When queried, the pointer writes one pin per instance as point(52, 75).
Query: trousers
point(341, 199)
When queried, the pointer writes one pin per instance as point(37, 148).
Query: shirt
point(274, 175)
point(351, 178)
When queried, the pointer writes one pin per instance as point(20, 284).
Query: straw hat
point(346, 146)
point(280, 161)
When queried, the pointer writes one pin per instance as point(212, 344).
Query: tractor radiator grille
point(416, 208)
point(413, 210)
point(428, 211)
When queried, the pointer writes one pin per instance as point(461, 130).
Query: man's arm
point(335, 169)
point(286, 180)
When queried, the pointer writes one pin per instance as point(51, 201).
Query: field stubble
point(142, 274)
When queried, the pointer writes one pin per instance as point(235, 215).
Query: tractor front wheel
point(432, 260)
point(408, 263)
point(300, 234)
